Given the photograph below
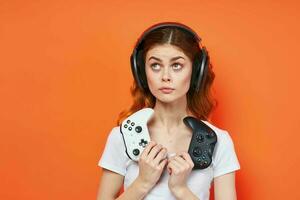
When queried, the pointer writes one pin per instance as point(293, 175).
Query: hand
point(151, 164)
point(179, 168)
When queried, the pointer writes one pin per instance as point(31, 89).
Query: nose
point(166, 75)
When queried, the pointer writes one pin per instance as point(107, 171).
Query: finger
point(154, 151)
point(187, 157)
point(162, 163)
point(169, 169)
point(161, 155)
point(148, 148)
point(176, 164)
point(183, 163)
point(172, 168)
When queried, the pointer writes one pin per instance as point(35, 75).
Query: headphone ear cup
point(199, 69)
point(138, 68)
point(134, 68)
point(141, 69)
point(205, 66)
point(196, 71)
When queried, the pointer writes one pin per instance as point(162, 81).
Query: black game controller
point(202, 144)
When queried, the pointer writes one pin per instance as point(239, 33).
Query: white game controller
point(135, 132)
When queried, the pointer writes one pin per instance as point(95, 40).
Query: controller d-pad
point(143, 143)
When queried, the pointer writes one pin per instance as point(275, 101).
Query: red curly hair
point(200, 103)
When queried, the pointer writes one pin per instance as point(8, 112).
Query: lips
point(166, 90)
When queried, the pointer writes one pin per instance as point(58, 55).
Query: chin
point(168, 99)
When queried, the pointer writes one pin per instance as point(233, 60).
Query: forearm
point(135, 191)
point(185, 193)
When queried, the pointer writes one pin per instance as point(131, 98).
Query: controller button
point(209, 135)
point(197, 152)
point(138, 129)
point(199, 138)
point(136, 152)
point(132, 124)
point(128, 121)
point(130, 128)
point(125, 125)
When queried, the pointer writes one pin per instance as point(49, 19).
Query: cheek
point(185, 81)
point(150, 78)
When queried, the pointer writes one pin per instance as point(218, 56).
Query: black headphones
point(200, 63)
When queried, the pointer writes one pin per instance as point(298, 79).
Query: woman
point(172, 75)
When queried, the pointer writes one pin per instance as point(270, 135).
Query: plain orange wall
point(65, 76)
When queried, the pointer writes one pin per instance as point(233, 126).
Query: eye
point(153, 66)
point(178, 66)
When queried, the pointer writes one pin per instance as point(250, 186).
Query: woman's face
point(167, 66)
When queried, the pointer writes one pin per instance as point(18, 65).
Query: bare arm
point(111, 184)
point(224, 187)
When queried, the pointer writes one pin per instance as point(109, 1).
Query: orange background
point(65, 76)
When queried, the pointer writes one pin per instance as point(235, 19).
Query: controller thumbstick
point(197, 152)
point(138, 129)
point(136, 152)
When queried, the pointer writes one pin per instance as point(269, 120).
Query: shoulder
point(221, 133)
point(224, 158)
point(115, 131)
point(115, 136)
point(114, 155)
point(224, 140)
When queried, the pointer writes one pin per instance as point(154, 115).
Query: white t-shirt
point(224, 160)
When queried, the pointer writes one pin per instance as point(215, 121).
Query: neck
point(169, 116)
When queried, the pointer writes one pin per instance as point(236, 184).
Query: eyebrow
point(175, 58)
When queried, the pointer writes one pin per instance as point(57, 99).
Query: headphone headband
point(167, 25)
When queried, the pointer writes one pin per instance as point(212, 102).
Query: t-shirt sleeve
point(114, 156)
point(225, 158)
